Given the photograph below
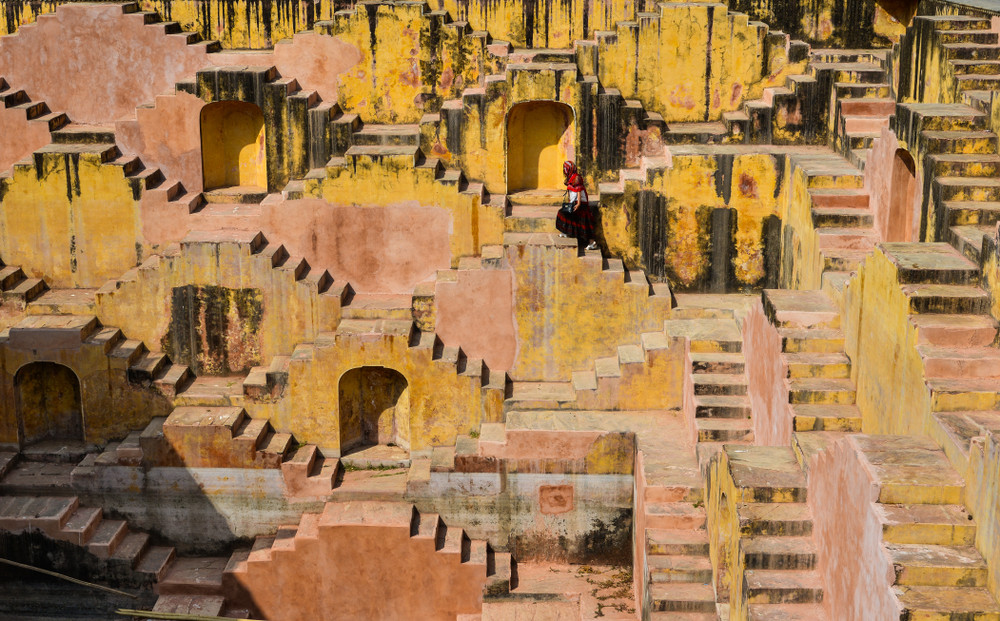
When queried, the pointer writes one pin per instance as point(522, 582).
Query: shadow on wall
point(233, 145)
point(539, 139)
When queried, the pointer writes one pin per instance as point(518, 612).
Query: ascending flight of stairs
point(821, 395)
point(718, 376)
point(775, 555)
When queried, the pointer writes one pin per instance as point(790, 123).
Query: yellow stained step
point(933, 565)
point(928, 603)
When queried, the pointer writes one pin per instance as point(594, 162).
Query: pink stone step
point(107, 536)
point(960, 361)
point(955, 330)
point(193, 576)
point(676, 515)
point(80, 526)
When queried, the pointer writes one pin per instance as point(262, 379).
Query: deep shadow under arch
point(374, 408)
point(48, 403)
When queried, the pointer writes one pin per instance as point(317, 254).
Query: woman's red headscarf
point(573, 181)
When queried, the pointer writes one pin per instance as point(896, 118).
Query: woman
point(575, 218)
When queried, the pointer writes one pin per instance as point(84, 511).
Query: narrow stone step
point(766, 473)
point(784, 519)
point(722, 406)
point(930, 263)
point(765, 586)
point(826, 417)
point(791, 553)
point(811, 341)
point(666, 541)
point(933, 565)
point(197, 605)
point(960, 362)
point(679, 569)
point(719, 384)
point(950, 299)
point(946, 603)
point(724, 430)
point(955, 330)
point(787, 612)
point(949, 525)
point(195, 576)
point(674, 516)
point(682, 597)
point(841, 217)
point(707, 335)
point(715, 362)
point(949, 394)
point(812, 365)
point(801, 310)
point(820, 390)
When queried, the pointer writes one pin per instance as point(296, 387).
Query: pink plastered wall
point(94, 62)
point(19, 137)
point(98, 64)
point(767, 386)
point(857, 574)
point(375, 249)
point(476, 311)
point(349, 572)
point(879, 182)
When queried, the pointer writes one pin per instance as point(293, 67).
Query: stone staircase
point(821, 395)
point(839, 215)
point(122, 553)
point(226, 437)
point(765, 556)
point(447, 548)
point(955, 332)
point(718, 376)
point(861, 102)
point(927, 535)
point(141, 366)
point(960, 154)
point(16, 289)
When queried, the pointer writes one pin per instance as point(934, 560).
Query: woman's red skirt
point(579, 224)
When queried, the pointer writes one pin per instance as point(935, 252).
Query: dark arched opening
point(48, 403)
point(374, 408)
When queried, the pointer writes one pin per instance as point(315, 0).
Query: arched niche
point(48, 403)
point(374, 408)
point(540, 137)
point(233, 146)
point(899, 223)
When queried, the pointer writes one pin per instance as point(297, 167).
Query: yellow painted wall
point(442, 403)
point(540, 137)
point(691, 188)
point(233, 149)
point(112, 406)
point(667, 61)
point(410, 61)
point(293, 311)
point(568, 312)
point(70, 218)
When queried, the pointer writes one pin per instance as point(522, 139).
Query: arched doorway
point(539, 139)
point(374, 408)
point(233, 148)
point(48, 403)
point(898, 222)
